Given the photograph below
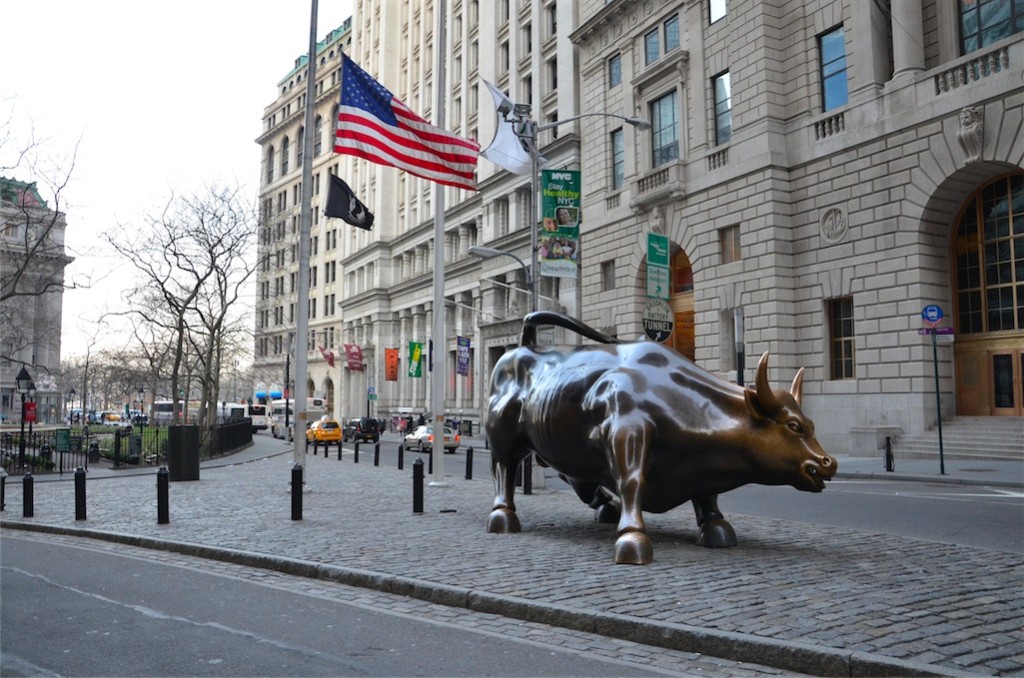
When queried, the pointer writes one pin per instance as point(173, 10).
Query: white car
point(422, 439)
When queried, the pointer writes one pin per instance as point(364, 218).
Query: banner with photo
point(559, 239)
point(391, 364)
point(415, 359)
point(462, 357)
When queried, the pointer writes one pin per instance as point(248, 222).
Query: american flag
point(374, 125)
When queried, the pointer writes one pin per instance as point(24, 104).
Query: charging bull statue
point(637, 427)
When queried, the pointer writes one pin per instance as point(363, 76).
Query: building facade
point(823, 170)
point(32, 263)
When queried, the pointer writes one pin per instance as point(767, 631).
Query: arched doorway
point(681, 302)
point(987, 265)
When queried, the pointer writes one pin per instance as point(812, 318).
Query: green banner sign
point(415, 359)
point(559, 240)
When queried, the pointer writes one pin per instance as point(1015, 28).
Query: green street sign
point(657, 249)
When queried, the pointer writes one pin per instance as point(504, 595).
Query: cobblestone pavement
point(799, 597)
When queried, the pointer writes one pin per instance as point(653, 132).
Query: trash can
point(94, 453)
point(134, 449)
point(183, 453)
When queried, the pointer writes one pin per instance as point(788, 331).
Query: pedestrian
point(422, 420)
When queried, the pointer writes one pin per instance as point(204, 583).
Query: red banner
point(391, 364)
point(354, 355)
point(30, 412)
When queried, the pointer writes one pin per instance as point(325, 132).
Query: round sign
point(658, 319)
point(931, 313)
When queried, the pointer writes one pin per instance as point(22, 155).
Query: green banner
point(415, 359)
point(559, 240)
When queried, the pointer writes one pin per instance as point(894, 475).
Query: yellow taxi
point(324, 431)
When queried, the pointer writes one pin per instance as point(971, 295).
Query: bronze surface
point(637, 427)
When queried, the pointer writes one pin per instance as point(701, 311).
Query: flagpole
point(438, 377)
point(302, 293)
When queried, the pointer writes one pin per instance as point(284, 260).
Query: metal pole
point(305, 226)
point(938, 401)
point(438, 376)
point(163, 512)
point(534, 211)
point(738, 332)
point(21, 437)
point(80, 493)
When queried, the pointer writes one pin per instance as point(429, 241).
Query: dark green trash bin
point(183, 453)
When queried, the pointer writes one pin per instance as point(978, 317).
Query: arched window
point(301, 146)
point(284, 157)
point(988, 257)
point(318, 138)
point(270, 164)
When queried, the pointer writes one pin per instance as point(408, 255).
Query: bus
point(315, 408)
point(258, 414)
point(162, 412)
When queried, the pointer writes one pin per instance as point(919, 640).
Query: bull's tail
point(532, 320)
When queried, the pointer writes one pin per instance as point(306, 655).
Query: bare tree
point(195, 261)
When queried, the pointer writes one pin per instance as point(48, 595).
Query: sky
point(159, 98)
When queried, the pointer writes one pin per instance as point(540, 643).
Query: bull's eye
point(795, 427)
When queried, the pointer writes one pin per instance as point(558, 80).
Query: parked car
point(364, 429)
point(422, 439)
point(324, 431)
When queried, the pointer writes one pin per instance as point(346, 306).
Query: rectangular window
point(716, 10)
point(553, 75)
point(607, 275)
point(841, 349)
point(723, 107)
point(651, 49)
point(671, 27)
point(729, 244)
point(832, 51)
point(618, 158)
point(664, 130)
point(983, 22)
point(615, 70)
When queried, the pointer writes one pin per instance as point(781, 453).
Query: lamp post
point(529, 131)
point(25, 386)
point(71, 406)
point(482, 252)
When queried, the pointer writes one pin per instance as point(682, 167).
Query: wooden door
point(1007, 379)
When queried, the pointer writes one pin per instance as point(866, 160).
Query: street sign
point(658, 320)
point(657, 249)
point(657, 282)
point(931, 313)
point(30, 412)
point(938, 330)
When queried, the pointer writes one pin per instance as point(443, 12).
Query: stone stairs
point(994, 438)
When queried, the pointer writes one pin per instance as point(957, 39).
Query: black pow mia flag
point(343, 204)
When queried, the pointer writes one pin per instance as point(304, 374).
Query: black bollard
point(376, 453)
point(163, 509)
point(401, 456)
point(430, 463)
point(3, 489)
point(890, 461)
point(339, 450)
point(417, 486)
point(28, 496)
point(528, 474)
point(469, 463)
point(297, 492)
point(316, 447)
point(79, 493)
point(355, 457)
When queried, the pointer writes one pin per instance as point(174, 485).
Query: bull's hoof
point(716, 533)
point(503, 521)
point(633, 548)
point(607, 514)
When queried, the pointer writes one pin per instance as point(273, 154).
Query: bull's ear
point(797, 389)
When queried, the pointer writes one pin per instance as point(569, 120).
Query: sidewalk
point(802, 597)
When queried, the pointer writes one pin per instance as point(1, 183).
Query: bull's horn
point(766, 399)
point(797, 389)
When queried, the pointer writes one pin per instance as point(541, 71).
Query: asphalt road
point(83, 609)
point(967, 515)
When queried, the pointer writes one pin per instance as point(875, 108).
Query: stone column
point(907, 37)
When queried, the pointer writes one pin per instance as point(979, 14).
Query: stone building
point(823, 170)
point(32, 263)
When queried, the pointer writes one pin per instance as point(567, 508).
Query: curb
point(785, 655)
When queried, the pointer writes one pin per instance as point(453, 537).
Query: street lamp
point(71, 406)
point(482, 252)
point(25, 386)
point(529, 129)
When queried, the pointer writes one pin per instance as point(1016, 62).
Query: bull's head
point(783, 443)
